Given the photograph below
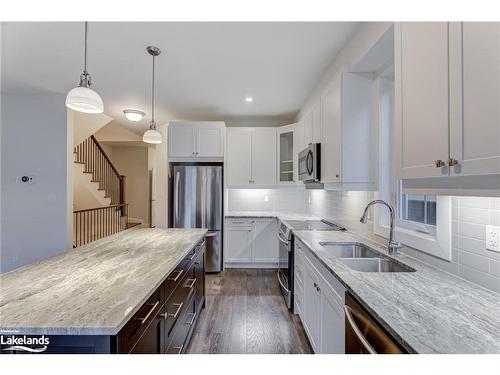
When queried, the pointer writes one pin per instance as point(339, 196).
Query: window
point(418, 208)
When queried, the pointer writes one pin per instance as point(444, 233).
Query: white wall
point(132, 162)
point(351, 53)
point(35, 223)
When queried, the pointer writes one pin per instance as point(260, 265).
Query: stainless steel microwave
point(310, 163)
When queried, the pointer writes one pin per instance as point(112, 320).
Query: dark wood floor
point(246, 313)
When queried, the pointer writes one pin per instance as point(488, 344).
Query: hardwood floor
point(246, 313)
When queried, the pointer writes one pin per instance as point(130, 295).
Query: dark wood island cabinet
point(162, 325)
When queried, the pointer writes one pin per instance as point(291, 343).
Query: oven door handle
point(282, 283)
point(362, 339)
point(282, 240)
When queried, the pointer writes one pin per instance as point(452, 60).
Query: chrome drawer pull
point(174, 315)
point(174, 279)
point(144, 320)
point(179, 348)
point(190, 283)
point(192, 257)
point(192, 319)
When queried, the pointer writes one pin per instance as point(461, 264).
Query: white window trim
point(438, 245)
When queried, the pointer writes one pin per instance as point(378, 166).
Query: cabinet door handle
point(192, 319)
point(174, 315)
point(439, 163)
point(192, 256)
point(190, 283)
point(174, 279)
point(145, 319)
point(452, 162)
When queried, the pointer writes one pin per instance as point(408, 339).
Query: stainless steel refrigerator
point(197, 203)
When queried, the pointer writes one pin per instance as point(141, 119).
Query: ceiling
point(204, 72)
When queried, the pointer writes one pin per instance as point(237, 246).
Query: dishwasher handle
point(362, 339)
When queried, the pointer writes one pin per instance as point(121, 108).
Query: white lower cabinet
point(319, 303)
point(251, 243)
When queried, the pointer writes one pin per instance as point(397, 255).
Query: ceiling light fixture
point(249, 99)
point(83, 98)
point(152, 135)
point(133, 115)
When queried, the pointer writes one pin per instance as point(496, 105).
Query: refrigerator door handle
point(176, 194)
point(211, 234)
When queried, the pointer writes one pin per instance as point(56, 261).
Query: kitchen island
point(138, 291)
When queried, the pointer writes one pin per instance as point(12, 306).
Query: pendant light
point(152, 135)
point(83, 98)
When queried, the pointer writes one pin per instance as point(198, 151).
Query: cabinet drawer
point(176, 276)
point(176, 304)
point(136, 326)
point(237, 223)
point(178, 341)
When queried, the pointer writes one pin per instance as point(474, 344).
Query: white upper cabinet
point(316, 123)
point(287, 155)
point(181, 141)
point(475, 106)
point(422, 98)
point(347, 146)
point(190, 140)
point(264, 156)
point(210, 141)
point(251, 157)
point(238, 166)
point(447, 95)
point(307, 122)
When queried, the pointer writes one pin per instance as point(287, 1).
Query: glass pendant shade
point(152, 136)
point(84, 99)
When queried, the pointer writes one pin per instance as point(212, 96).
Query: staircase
point(90, 224)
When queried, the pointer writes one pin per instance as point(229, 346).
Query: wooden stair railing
point(97, 163)
point(95, 223)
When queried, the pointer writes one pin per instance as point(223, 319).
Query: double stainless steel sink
point(362, 258)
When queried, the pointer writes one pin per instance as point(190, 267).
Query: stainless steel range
point(287, 255)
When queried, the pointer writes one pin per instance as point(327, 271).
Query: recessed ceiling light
point(249, 99)
point(133, 115)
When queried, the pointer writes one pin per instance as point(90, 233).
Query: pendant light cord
point(153, 96)
point(85, 53)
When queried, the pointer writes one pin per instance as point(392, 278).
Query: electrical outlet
point(493, 238)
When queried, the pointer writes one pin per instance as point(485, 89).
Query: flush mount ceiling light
point(83, 98)
point(152, 135)
point(133, 115)
point(249, 99)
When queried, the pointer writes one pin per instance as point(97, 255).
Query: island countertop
point(93, 289)
point(427, 311)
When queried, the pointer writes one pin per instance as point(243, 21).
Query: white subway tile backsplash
point(472, 245)
point(478, 262)
point(473, 275)
point(474, 215)
point(494, 283)
point(476, 231)
point(474, 202)
point(495, 204)
point(495, 268)
point(495, 218)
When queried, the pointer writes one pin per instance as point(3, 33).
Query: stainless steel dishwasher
point(363, 335)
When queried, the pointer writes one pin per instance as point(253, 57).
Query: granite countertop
point(427, 311)
point(282, 216)
point(93, 289)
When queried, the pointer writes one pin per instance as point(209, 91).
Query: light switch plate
point(493, 238)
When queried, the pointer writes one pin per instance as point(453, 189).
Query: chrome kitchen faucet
point(393, 245)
